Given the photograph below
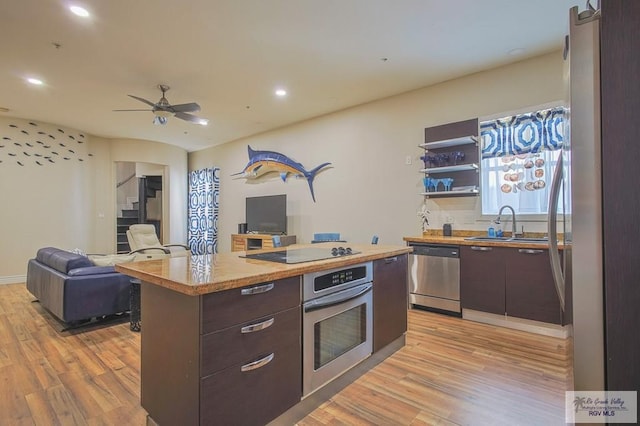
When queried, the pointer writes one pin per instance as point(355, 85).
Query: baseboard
point(552, 330)
point(15, 279)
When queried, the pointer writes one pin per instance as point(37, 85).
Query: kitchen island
point(222, 338)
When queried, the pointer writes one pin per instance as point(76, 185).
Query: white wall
point(70, 203)
point(369, 189)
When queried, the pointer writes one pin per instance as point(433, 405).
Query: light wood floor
point(450, 372)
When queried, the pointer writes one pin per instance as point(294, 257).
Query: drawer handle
point(257, 289)
point(530, 251)
point(257, 364)
point(257, 327)
point(476, 248)
point(391, 259)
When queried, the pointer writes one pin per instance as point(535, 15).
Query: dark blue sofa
point(73, 289)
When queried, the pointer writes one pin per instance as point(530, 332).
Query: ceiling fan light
point(158, 120)
point(203, 122)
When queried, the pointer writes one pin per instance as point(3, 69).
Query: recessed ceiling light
point(80, 11)
point(35, 81)
point(281, 92)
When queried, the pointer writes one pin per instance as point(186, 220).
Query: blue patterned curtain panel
point(204, 193)
point(521, 134)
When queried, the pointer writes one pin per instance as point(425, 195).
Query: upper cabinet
point(451, 159)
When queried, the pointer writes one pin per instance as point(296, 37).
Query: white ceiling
point(230, 55)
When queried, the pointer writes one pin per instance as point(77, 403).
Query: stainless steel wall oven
point(337, 323)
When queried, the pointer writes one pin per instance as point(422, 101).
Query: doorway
point(139, 196)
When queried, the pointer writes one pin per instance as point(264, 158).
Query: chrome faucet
point(514, 232)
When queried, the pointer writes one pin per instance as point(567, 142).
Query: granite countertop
point(196, 275)
point(459, 238)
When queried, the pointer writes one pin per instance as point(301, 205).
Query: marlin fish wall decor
point(262, 162)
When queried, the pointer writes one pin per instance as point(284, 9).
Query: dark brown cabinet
point(390, 289)
point(530, 291)
point(231, 357)
point(620, 152)
point(482, 278)
point(512, 281)
point(266, 375)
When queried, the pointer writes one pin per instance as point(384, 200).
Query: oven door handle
point(337, 298)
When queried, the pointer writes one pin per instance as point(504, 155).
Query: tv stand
point(246, 242)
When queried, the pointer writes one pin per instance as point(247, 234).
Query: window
point(519, 155)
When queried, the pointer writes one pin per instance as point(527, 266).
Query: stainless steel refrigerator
point(598, 274)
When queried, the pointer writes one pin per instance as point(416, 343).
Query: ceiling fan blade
point(190, 107)
point(191, 118)
point(151, 104)
point(120, 110)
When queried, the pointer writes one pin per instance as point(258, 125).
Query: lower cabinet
point(482, 278)
point(512, 281)
point(264, 382)
point(232, 357)
point(251, 371)
point(531, 292)
point(390, 289)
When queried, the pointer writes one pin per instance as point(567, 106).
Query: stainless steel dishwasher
point(435, 277)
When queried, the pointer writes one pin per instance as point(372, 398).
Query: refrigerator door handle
point(552, 223)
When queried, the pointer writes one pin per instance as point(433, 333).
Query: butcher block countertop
point(459, 238)
point(197, 275)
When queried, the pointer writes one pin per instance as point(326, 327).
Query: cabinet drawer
point(237, 306)
point(249, 340)
point(256, 396)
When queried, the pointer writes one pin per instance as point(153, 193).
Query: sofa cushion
point(62, 260)
point(92, 270)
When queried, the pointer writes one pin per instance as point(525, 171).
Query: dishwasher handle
point(437, 251)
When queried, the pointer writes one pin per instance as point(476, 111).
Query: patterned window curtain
point(523, 134)
point(204, 191)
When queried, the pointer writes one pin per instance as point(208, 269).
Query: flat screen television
point(267, 214)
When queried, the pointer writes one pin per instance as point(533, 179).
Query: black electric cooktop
point(301, 255)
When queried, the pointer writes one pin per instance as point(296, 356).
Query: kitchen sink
point(510, 239)
point(531, 240)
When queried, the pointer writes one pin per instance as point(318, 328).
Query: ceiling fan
point(163, 109)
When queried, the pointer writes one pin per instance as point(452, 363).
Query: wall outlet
point(449, 219)
point(407, 160)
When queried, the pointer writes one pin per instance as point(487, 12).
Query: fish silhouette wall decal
point(29, 144)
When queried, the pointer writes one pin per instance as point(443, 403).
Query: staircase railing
point(126, 180)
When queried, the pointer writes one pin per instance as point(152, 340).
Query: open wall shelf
point(460, 138)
